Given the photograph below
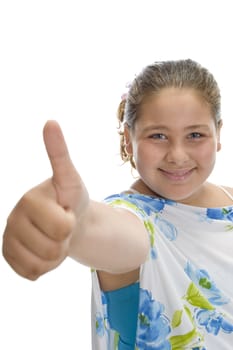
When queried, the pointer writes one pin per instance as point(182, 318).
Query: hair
point(165, 74)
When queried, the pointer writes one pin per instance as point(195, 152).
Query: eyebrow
point(165, 128)
point(197, 126)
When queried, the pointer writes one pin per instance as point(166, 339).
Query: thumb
point(66, 180)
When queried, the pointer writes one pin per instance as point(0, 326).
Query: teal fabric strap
point(122, 306)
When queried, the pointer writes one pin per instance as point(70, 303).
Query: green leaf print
point(144, 320)
point(225, 211)
point(229, 227)
point(189, 314)
point(150, 228)
point(195, 298)
point(191, 338)
point(176, 319)
point(180, 342)
point(116, 340)
point(126, 204)
point(205, 283)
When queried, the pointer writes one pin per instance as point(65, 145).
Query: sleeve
point(139, 206)
point(128, 202)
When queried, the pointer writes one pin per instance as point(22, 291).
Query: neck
point(208, 196)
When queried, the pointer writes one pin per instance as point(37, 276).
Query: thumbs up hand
point(69, 188)
point(39, 229)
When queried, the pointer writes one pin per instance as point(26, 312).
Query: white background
point(70, 61)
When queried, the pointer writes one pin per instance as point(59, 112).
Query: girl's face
point(174, 144)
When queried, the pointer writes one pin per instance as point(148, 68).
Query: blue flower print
point(220, 213)
point(167, 228)
point(215, 213)
point(151, 204)
point(213, 321)
point(206, 285)
point(146, 203)
point(101, 319)
point(103, 299)
point(153, 324)
point(99, 324)
point(153, 253)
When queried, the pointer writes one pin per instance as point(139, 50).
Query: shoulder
point(130, 191)
point(228, 189)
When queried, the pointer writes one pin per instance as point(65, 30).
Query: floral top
point(186, 283)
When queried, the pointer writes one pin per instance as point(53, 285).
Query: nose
point(177, 154)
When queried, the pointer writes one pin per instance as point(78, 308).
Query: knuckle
point(54, 252)
point(26, 200)
point(4, 246)
point(61, 230)
point(10, 224)
point(8, 246)
point(31, 273)
point(34, 272)
point(31, 277)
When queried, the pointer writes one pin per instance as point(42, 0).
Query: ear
point(127, 140)
point(219, 126)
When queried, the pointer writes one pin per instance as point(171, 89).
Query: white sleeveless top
point(186, 284)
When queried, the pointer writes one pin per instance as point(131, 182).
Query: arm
point(110, 239)
point(57, 219)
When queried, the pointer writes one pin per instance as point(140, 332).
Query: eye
point(158, 136)
point(195, 135)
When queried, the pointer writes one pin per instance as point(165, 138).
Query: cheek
point(146, 155)
point(140, 154)
point(207, 154)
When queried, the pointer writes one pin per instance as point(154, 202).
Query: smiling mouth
point(177, 175)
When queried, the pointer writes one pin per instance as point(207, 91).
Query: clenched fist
point(39, 229)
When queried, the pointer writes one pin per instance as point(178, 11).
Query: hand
point(39, 229)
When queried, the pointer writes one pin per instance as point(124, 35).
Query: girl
point(161, 252)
